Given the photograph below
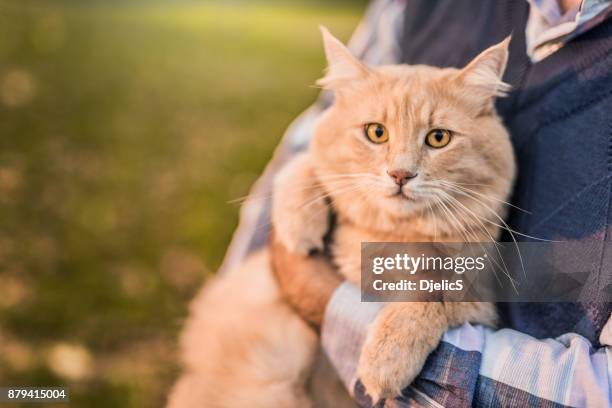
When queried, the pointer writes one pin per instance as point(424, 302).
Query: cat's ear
point(483, 76)
point(342, 66)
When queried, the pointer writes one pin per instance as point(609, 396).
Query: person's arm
point(476, 366)
point(472, 366)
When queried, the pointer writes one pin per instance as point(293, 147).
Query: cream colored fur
point(243, 346)
point(344, 167)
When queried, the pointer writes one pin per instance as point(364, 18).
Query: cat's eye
point(376, 133)
point(438, 138)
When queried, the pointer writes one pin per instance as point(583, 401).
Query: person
point(558, 114)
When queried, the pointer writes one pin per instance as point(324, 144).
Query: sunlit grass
point(125, 129)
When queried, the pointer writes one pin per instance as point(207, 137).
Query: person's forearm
point(506, 365)
point(344, 330)
point(566, 370)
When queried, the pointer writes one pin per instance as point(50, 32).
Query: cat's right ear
point(342, 66)
point(482, 78)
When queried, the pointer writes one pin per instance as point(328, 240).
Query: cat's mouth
point(402, 195)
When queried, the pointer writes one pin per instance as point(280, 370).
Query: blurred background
point(126, 128)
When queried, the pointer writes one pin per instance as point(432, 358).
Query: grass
point(125, 129)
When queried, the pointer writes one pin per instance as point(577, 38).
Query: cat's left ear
point(342, 66)
point(483, 76)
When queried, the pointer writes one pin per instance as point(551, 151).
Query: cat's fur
point(243, 346)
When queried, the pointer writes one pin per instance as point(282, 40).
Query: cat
point(392, 158)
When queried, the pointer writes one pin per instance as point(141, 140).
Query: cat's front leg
point(300, 212)
point(403, 336)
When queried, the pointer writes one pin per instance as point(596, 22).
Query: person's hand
point(306, 282)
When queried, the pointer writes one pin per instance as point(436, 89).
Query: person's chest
point(561, 127)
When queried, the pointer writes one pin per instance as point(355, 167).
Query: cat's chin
point(403, 197)
point(393, 211)
point(383, 213)
point(402, 204)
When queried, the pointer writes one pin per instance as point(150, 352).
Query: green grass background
point(125, 129)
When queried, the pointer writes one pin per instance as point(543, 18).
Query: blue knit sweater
point(560, 117)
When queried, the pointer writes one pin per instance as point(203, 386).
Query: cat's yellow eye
point(438, 138)
point(376, 133)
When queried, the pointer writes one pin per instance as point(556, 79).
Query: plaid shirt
point(473, 365)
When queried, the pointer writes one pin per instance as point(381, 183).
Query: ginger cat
point(405, 154)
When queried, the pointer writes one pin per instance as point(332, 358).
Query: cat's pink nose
point(401, 177)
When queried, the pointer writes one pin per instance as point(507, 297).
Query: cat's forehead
point(412, 75)
point(400, 91)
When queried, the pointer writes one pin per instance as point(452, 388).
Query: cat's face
point(399, 140)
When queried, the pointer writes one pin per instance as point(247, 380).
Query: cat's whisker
point(252, 196)
point(476, 217)
point(472, 231)
point(445, 183)
point(491, 222)
point(462, 209)
point(504, 270)
point(312, 202)
point(469, 225)
point(317, 213)
point(467, 184)
point(433, 218)
point(456, 225)
point(473, 228)
point(456, 202)
point(269, 222)
point(340, 190)
point(488, 197)
point(451, 216)
point(348, 189)
point(341, 175)
point(466, 231)
point(322, 181)
point(306, 186)
point(268, 194)
point(505, 226)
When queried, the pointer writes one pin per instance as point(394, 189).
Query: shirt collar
point(548, 29)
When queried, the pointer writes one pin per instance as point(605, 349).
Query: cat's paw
point(300, 213)
point(386, 368)
point(301, 230)
point(398, 344)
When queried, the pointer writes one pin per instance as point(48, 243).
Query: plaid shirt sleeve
point(476, 366)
